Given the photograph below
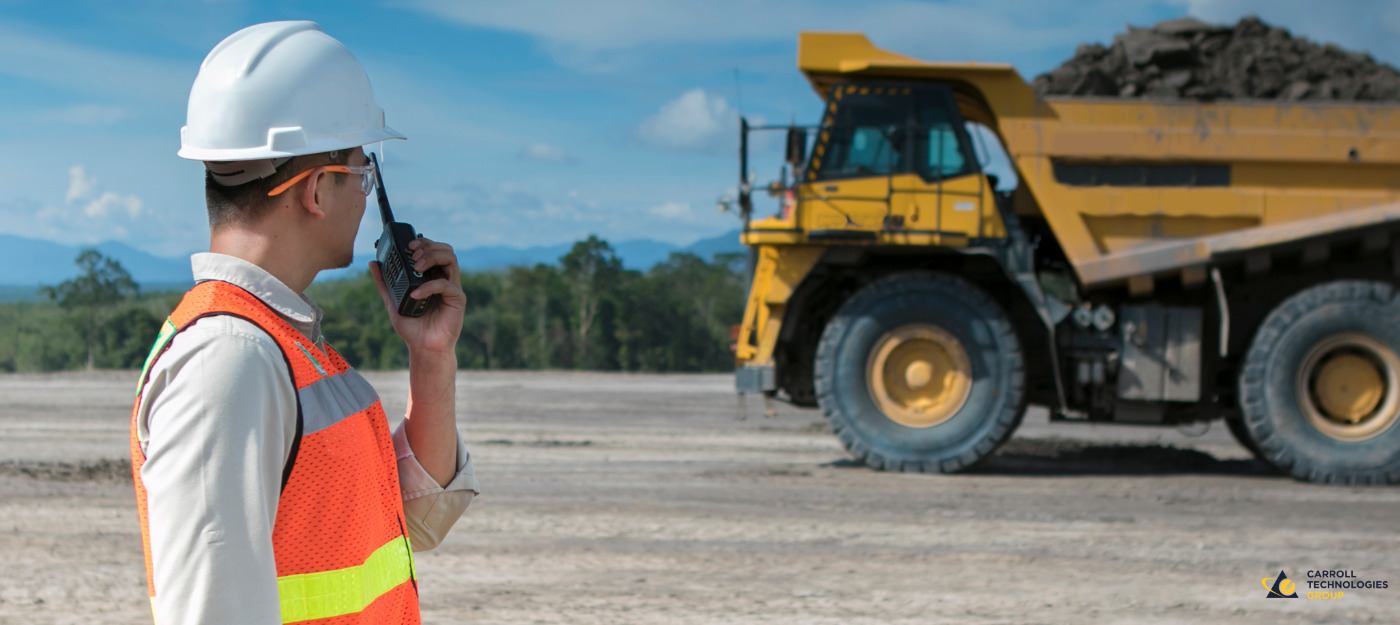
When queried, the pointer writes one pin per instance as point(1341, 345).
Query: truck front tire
point(920, 372)
point(1320, 390)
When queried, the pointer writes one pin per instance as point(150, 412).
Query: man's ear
point(312, 195)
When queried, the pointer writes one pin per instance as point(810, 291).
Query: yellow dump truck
point(1157, 262)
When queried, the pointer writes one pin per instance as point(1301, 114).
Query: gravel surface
point(646, 499)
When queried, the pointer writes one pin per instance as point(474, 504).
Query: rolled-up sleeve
point(430, 508)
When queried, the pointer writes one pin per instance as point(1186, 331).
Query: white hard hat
point(278, 90)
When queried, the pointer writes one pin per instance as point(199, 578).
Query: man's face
point(345, 206)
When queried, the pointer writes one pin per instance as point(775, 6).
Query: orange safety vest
point(339, 537)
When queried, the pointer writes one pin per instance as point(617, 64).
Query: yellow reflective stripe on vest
point(310, 596)
point(167, 330)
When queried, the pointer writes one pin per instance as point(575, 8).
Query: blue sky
point(529, 122)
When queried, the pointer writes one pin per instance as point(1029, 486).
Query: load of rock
point(1190, 59)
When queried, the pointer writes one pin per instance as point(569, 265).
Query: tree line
point(584, 312)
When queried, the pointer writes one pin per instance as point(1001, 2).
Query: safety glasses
point(366, 173)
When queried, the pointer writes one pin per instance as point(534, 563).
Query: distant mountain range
point(26, 264)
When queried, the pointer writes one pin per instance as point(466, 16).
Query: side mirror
point(796, 146)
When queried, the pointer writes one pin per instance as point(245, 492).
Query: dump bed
point(1134, 187)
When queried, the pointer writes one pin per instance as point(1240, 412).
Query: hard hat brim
point(269, 150)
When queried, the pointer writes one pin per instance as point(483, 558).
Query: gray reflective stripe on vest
point(328, 400)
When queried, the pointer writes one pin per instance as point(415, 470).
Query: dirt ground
point(646, 499)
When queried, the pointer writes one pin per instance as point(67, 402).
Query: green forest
point(584, 312)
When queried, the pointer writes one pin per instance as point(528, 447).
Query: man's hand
point(431, 421)
point(436, 331)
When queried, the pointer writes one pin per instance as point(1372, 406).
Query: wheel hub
point(1349, 387)
point(919, 375)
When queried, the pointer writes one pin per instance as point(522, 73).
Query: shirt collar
point(295, 307)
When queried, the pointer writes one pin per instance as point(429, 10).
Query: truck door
point(949, 194)
point(863, 145)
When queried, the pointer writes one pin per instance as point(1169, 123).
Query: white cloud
point(88, 216)
point(60, 176)
point(110, 203)
point(545, 152)
point(673, 210)
point(84, 115)
point(80, 184)
point(695, 121)
point(58, 223)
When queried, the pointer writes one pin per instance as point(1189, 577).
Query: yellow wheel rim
point(1349, 387)
point(919, 375)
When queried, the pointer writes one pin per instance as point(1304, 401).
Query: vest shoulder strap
point(215, 298)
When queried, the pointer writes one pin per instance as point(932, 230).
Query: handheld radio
point(396, 260)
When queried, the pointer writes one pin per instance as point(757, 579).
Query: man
point(269, 485)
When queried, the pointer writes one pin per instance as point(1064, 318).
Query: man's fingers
point(424, 260)
point(451, 292)
point(428, 254)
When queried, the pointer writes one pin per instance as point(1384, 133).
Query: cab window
point(992, 158)
point(868, 139)
point(885, 130)
point(945, 151)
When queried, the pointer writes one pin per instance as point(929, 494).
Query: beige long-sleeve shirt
point(216, 420)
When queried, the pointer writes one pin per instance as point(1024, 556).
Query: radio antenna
point(738, 93)
point(385, 213)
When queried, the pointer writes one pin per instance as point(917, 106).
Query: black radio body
point(396, 260)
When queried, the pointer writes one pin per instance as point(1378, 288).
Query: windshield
point(883, 131)
point(869, 140)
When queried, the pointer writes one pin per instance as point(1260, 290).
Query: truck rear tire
point(920, 372)
point(1320, 390)
point(1241, 434)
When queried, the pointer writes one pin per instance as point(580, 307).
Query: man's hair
point(248, 202)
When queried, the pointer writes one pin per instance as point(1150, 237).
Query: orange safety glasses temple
point(339, 169)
